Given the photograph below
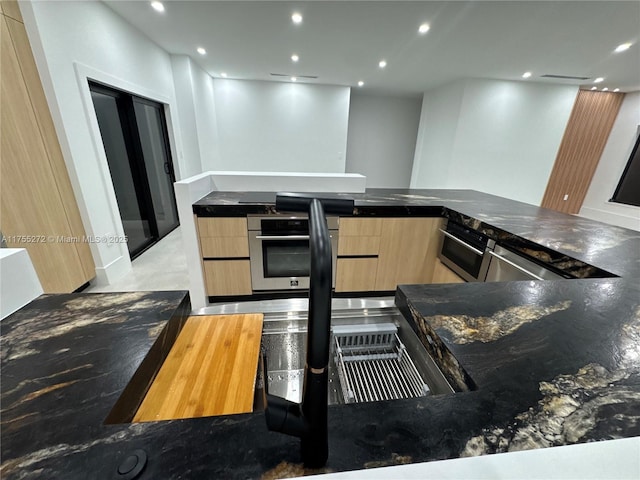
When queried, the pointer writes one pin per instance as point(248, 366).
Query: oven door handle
point(282, 237)
point(464, 244)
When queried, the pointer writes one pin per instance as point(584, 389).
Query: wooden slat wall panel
point(584, 140)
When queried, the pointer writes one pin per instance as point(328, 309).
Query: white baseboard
point(113, 272)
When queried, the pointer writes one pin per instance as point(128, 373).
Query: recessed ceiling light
point(294, 79)
point(605, 89)
point(295, 58)
point(526, 74)
point(616, 89)
point(424, 28)
point(201, 51)
point(382, 63)
point(622, 47)
point(360, 83)
point(157, 6)
point(223, 74)
point(296, 18)
point(598, 80)
point(594, 88)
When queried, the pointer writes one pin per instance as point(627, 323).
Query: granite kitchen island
point(538, 363)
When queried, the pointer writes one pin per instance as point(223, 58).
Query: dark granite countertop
point(540, 364)
point(567, 242)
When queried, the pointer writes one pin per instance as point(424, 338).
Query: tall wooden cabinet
point(38, 208)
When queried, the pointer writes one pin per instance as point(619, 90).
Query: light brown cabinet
point(227, 277)
point(358, 247)
point(408, 249)
point(224, 248)
point(377, 254)
point(39, 210)
point(356, 274)
point(443, 274)
point(223, 237)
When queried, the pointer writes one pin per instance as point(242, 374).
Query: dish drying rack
point(373, 364)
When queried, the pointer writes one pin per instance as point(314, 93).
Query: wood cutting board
point(210, 370)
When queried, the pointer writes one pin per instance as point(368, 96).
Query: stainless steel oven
point(279, 251)
point(465, 251)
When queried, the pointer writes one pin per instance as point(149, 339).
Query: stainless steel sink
point(362, 372)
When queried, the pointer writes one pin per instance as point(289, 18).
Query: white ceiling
point(341, 42)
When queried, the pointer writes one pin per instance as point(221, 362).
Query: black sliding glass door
point(136, 143)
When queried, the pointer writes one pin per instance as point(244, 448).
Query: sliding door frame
point(126, 112)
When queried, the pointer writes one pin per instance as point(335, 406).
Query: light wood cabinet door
point(408, 249)
point(39, 210)
point(356, 274)
point(222, 226)
point(359, 236)
point(224, 247)
point(443, 274)
point(223, 237)
point(227, 277)
point(360, 227)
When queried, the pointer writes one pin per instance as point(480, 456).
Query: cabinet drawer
point(359, 236)
point(222, 227)
point(227, 277)
point(221, 247)
point(360, 227)
point(358, 245)
point(356, 274)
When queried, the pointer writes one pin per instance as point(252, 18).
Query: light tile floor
point(161, 267)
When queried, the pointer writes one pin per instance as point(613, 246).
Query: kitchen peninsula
point(545, 363)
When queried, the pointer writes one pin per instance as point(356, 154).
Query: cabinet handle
point(464, 244)
point(282, 237)
point(514, 265)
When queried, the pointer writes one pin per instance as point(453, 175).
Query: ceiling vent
point(293, 75)
point(564, 77)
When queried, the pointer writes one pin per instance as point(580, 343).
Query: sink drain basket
point(373, 364)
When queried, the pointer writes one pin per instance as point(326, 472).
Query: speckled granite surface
point(542, 363)
point(564, 354)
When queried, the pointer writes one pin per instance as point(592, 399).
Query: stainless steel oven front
point(465, 251)
point(279, 251)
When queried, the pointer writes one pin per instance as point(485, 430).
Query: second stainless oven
point(279, 251)
point(465, 251)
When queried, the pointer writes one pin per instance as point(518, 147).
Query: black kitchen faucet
point(308, 419)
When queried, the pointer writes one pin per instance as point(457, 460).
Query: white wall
point(614, 158)
point(73, 41)
point(197, 114)
point(436, 136)
point(205, 111)
point(505, 138)
point(186, 114)
point(277, 126)
point(381, 139)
